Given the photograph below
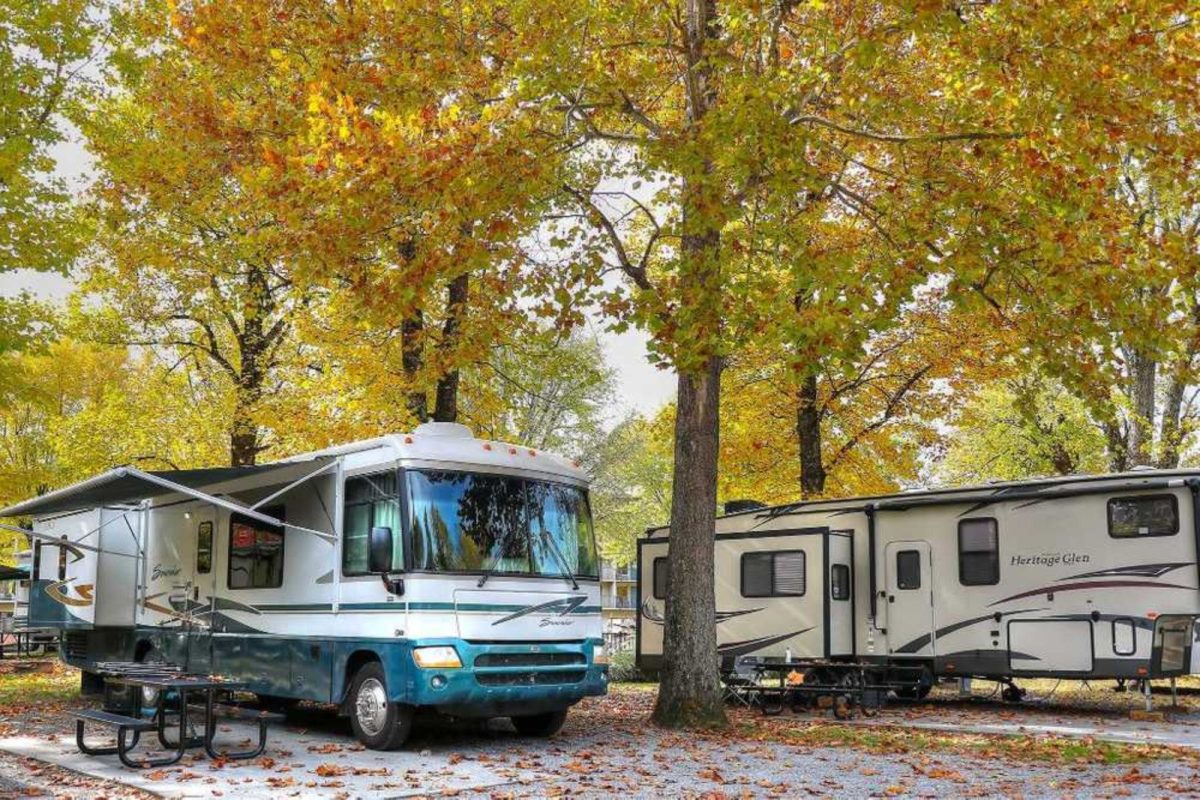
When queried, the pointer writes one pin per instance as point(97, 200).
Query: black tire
point(541, 725)
point(378, 723)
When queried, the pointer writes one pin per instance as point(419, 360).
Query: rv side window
point(255, 552)
point(908, 569)
point(660, 578)
point(204, 547)
point(777, 574)
point(839, 582)
point(1148, 515)
point(371, 501)
point(978, 552)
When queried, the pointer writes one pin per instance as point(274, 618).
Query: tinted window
point(372, 501)
point(660, 578)
point(839, 582)
point(978, 552)
point(255, 552)
point(1150, 515)
point(908, 569)
point(204, 537)
point(777, 574)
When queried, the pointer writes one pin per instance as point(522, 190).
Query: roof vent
point(448, 430)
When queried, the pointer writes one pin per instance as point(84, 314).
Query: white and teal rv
point(430, 571)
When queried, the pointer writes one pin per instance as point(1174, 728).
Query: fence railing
point(618, 601)
point(618, 641)
point(615, 574)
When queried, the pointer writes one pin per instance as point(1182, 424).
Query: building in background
point(618, 604)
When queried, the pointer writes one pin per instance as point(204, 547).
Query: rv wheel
point(542, 725)
point(377, 723)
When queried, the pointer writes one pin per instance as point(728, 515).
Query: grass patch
point(25, 688)
point(886, 740)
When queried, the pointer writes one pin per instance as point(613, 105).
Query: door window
point(908, 569)
point(839, 582)
point(204, 541)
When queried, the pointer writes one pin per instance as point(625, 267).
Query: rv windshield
point(474, 522)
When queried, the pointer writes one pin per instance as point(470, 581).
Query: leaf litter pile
point(608, 748)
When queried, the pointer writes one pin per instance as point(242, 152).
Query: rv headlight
point(437, 658)
point(599, 656)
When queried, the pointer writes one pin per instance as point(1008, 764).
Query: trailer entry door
point(909, 598)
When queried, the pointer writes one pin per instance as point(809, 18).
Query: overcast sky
point(643, 388)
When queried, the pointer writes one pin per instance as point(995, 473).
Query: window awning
point(127, 486)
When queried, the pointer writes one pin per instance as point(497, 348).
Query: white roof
point(448, 443)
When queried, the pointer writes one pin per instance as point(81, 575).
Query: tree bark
point(412, 359)
point(1170, 436)
point(253, 350)
point(1143, 369)
point(445, 407)
point(689, 694)
point(808, 432)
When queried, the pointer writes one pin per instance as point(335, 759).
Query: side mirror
point(379, 552)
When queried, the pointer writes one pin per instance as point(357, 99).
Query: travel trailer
point(428, 571)
point(1078, 577)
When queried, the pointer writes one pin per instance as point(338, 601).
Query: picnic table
point(169, 682)
point(774, 685)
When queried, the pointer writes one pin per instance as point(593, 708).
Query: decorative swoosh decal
point(922, 641)
point(56, 592)
point(1074, 587)
point(650, 612)
point(750, 645)
point(562, 606)
point(1135, 571)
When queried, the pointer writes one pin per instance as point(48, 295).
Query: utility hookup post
point(1146, 692)
point(964, 687)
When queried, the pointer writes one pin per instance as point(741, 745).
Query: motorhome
point(1076, 577)
point(423, 571)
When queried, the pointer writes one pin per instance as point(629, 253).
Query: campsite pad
point(295, 764)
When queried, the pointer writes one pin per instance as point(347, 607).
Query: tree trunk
point(412, 359)
point(808, 432)
point(689, 694)
point(445, 407)
point(1170, 435)
point(1118, 453)
point(1141, 424)
point(244, 433)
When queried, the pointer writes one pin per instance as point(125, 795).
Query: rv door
point(909, 599)
point(203, 590)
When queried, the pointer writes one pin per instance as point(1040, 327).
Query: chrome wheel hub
point(370, 707)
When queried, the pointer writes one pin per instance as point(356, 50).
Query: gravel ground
point(608, 749)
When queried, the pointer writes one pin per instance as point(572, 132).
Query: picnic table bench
point(844, 686)
point(169, 681)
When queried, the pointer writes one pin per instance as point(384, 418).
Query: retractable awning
point(13, 573)
point(127, 485)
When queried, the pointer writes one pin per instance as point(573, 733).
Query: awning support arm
point(325, 468)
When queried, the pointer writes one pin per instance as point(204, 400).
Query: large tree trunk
point(445, 407)
point(1143, 369)
point(253, 353)
point(1170, 436)
point(689, 694)
point(412, 360)
point(808, 432)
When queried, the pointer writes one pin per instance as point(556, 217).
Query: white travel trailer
point(424, 571)
point(1077, 577)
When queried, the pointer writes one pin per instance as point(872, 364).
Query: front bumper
point(499, 679)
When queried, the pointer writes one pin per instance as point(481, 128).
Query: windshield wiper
point(562, 560)
point(487, 573)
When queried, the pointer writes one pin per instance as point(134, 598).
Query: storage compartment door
point(1050, 645)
